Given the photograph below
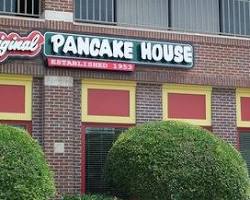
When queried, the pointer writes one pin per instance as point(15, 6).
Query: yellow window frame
point(187, 89)
point(241, 92)
point(112, 85)
point(25, 81)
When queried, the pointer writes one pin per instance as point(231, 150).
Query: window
point(139, 12)
point(195, 15)
point(154, 13)
point(95, 10)
point(177, 14)
point(97, 141)
point(244, 147)
point(243, 122)
point(103, 101)
point(15, 101)
point(20, 7)
point(235, 16)
point(208, 16)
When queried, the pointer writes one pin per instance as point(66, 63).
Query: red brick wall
point(59, 127)
point(148, 102)
point(224, 114)
point(77, 134)
point(56, 117)
point(37, 109)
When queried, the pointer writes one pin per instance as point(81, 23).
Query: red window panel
point(186, 106)
point(245, 108)
point(12, 98)
point(105, 102)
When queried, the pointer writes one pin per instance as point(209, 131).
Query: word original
point(15, 45)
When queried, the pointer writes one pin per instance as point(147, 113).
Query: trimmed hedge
point(176, 161)
point(89, 197)
point(24, 173)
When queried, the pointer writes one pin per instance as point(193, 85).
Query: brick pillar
point(77, 135)
point(37, 110)
point(59, 130)
point(148, 102)
point(224, 114)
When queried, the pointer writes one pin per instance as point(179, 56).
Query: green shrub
point(89, 197)
point(71, 197)
point(176, 161)
point(24, 174)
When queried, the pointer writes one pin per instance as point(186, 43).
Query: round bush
point(24, 173)
point(176, 161)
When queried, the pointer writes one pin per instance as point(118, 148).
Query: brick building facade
point(220, 74)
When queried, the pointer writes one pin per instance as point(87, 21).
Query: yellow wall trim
point(108, 82)
point(15, 77)
point(112, 85)
point(25, 81)
point(187, 89)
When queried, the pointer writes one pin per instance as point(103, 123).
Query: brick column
point(148, 102)
point(77, 136)
point(37, 110)
point(59, 130)
point(224, 114)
